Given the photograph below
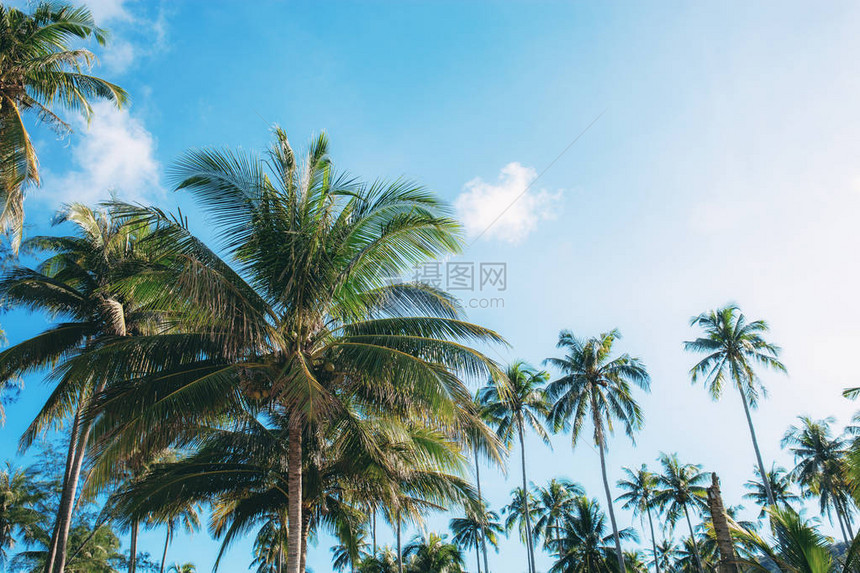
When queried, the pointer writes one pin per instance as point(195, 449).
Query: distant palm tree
point(433, 554)
point(585, 545)
point(516, 512)
point(476, 529)
point(42, 67)
point(186, 517)
point(733, 346)
point(797, 547)
point(780, 487)
point(693, 556)
point(635, 562)
point(821, 468)
point(680, 489)
point(20, 518)
point(594, 385)
point(640, 487)
point(663, 555)
point(183, 568)
point(553, 503)
point(518, 401)
point(385, 561)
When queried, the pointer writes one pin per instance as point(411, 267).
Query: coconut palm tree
point(734, 346)
point(42, 68)
point(512, 404)
point(20, 518)
point(477, 529)
point(695, 555)
point(182, 568)
point(385, 561)
point(433, 554)
point(304, 321)
point(780, 486)
point(76, 284)
point(820, 468)
point(596, 388)
point(515, 512)
point(347, 555)
point(797, 547)
point(680, 489)
point(663, 555)
point(552, 505)
point(640, 487)
point(635, 562)
point(188, 519)
point(585, 546)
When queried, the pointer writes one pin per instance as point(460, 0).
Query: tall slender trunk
point(65, 519)
point(762, 472)
point(478, 557)
point(618, 553)
point(526, 511)
point(653, 538)
point(483, 509)
point(132, 550)
point(70, 462)
point(294, 496)
point(693, 540)
point(841, 523)
point(598, 434)
point(373, 531)
point(399, 548)
point(846, 516)
point(166, 544)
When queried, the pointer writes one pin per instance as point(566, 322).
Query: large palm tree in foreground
point(42, 68)
point(640, 488)
point(300, 318)
point(595, 387)
point(511, 404)
point(733, 347)
point(680, 489)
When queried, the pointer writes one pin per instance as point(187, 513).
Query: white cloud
point(137, 30)
point(105, 11)
point(506, 210)
point(115, 155)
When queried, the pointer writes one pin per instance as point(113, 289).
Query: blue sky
point(724, 167)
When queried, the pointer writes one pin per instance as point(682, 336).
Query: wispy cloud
point(137, 30)
point(114, 156)
point(506, 210)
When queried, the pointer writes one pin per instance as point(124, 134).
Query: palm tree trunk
point(306, 522)
point(846, 516)
point(693, 540)
point(294, 495)
point(72, 487)
point(70, 462)
point(841, 521)
point(478, 557)
point(762, 472)
point(526, 512)
point(618, 553)
point(653, 540)
point(373, 531)
point(132, 550)
point(483, 509)
point(166, 544)
point(399, 548)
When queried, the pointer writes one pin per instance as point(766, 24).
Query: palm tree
point(733, 346)
point(433, 555)
point(780, 487)
point(694, 556)
point(820, 468)
point(511, 405)
point(76, 283)
point(594, 385)
point(553, 503)
point(797, 547)
point(477, 529)
point(20, 517)
point(477, 446)
point(584, 545)
point(663, 555)
point(385, 561)
point(349, 553)
point(680, 488)
point(187, 518)
point(640, 487)
point(308, 319)
point(40, 70)
point(183, 568)
point(516, 515)
point(635, 562)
